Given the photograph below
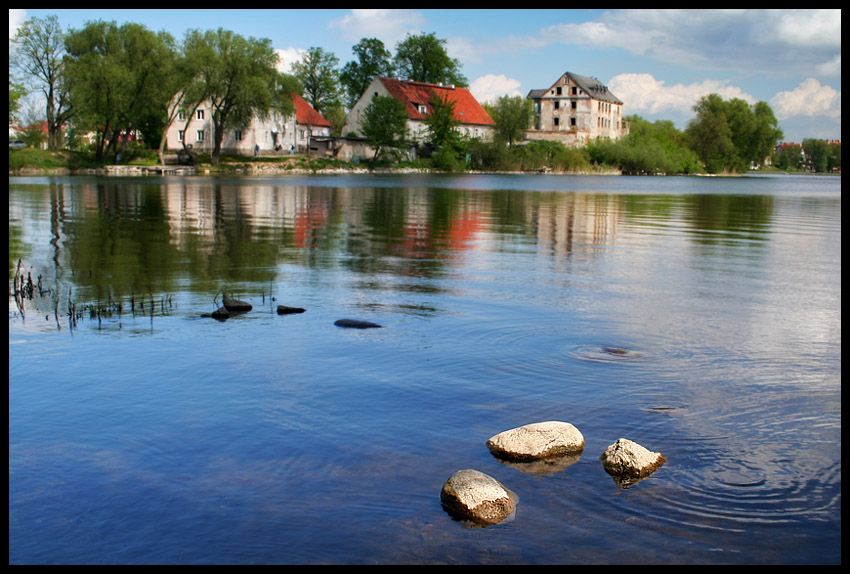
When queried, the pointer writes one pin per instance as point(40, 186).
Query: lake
point(699, 317)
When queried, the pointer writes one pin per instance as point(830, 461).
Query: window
point(237, 135)
point(573, 104)
point(180, 135)
point(423, 109)
point(557, 121)
point(199, 135)
point(557, 103)
point(181, 115)
point(558, 90)
point(200, 114)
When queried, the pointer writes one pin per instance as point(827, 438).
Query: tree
point(373, 60)
point(732, 135)
point(424, 58)
point(513, 116)
point(16, 92)
point(385, 125)
point(318, 75)
point(239, 76)
point(39, 48)
point(114, 74)
point(441, 121)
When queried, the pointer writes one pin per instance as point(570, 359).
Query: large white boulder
point(627, 461)
point(476, 496)
point(537, 441)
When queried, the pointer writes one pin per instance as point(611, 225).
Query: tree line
point(113, 80)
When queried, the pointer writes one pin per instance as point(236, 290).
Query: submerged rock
point(473, 495)
point(284, 310)
point(235, 305)
point(537, 441)
point(355, 324)
point(628, 462)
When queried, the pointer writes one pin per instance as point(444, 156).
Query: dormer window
point(423, 109)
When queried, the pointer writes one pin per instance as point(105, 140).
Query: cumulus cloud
point(733, 39)
point(492, 86)
point(388, 25)
point(808, 99)
point(287, 57)
point(643, 93)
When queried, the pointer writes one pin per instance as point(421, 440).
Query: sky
point(658, 62)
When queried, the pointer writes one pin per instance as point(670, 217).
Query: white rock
point(477, 496)
point(626, 460)
point(536, 441)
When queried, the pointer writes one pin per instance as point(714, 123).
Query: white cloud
point(808, 99)
point(388, 25)
point(287, 57)
point(490, 87)
point(735, 39)
point(643, 93)
point(16, 18)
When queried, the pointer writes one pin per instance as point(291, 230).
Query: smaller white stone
point(477, 496)
point(627, 460)
point(537, 440)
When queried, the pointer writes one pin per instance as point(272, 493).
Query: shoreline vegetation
point(62, 162)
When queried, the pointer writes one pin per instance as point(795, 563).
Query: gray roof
point(590, 86)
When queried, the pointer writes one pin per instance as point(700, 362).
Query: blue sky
point(659, 62)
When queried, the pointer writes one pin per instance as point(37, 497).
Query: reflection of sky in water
point(499, 298)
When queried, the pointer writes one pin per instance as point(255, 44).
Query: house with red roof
point(275, 133)
point(474, 120)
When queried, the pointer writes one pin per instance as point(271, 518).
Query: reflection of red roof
point(467, 110)
point(305, 114)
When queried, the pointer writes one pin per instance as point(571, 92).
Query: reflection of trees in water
point(118, 237)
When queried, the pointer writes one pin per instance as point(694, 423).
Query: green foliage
point(649, 148)
point(513, 116)
point(731, 136)
point(385, 126)
point(423, 58)
point(114, 74)
point(319, 77)
point(373, 60)
point(38, 54)
point(239, 75)
point(442, 125)
point(822, 156)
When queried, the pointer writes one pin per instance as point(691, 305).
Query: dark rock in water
point(615, 351)
point(221, 314)
point(236, 305)
point(355, 324)
point(284, 310)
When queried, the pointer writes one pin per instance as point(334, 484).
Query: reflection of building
point(273, 133)
point(576, 109)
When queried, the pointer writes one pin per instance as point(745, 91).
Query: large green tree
point(384, 126)
point(423, 58)
point(318, 74)
point(239, 75)
point(731, 135)
point(373, 60)
point(115, 76)
point(39, 46)
point(513, 116)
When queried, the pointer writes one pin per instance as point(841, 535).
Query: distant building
point(272, 134)
point(577, 109)
point(474, 120)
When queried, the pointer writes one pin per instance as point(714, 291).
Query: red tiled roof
point(467, 110)
point(305, 114)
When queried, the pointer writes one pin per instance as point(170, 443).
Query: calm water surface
point(155, 435)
